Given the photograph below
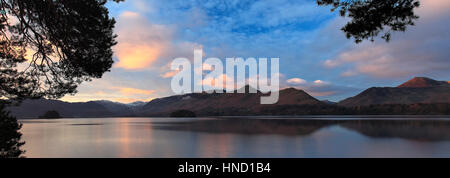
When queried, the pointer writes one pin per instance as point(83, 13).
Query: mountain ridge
point(420, 93)
point(222, 103)
point(417, 90)
point(423, 82)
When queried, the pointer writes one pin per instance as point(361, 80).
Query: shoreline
point(313, 117)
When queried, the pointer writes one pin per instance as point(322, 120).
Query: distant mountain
point(36, 108)
point(329, 102)
point(419, 96)
point(423, 82)
point(224, 103)
point(118, 108)
point(137, 104)
point(203, 104)
point(417, 90)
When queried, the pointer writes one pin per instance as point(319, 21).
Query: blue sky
point(314, 54)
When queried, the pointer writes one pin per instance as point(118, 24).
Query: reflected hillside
point(246, 126)
point(419, 130)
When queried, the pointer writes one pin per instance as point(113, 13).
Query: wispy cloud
point(321, 89)
point(140, 43)
point(421, 50)
point(296, 81)
point(170, 74)
point(306, 38)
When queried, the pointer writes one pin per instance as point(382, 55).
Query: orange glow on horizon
point(135, 91)
point(120, 94)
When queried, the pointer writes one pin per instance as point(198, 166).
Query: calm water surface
point(237, 137)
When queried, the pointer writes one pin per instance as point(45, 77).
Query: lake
point(304, 137)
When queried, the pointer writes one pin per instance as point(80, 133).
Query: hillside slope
point(224, 103)
point(417, 90)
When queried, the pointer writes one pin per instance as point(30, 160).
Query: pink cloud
point(140, 43)
point(320, 82)
point(296, 81)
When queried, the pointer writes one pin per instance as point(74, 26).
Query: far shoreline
point(325, 117)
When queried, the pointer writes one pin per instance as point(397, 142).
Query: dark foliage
point(10, 136)
point(182, 113)
point(369, 18)
point(47, 48)
point(56, 44)
point(50, 115)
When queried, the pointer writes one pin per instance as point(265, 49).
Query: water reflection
point(236, 137)
point(420, 130)
point(246, 126)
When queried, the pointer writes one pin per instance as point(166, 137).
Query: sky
point(314, 54)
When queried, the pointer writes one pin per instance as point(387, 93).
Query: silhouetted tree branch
point(369, 18)
point(47, 48)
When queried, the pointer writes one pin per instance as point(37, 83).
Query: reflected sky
point(236, 137)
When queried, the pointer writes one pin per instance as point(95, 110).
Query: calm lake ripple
point(237, 137)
